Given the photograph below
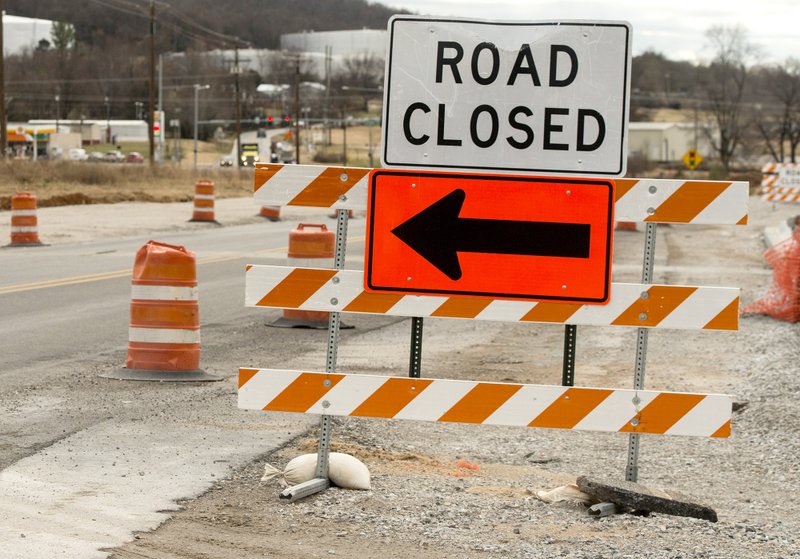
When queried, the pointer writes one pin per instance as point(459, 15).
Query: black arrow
point(438, 235)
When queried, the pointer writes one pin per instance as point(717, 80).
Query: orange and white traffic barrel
point(164, 333)
point(311, 245)
point(24, 224)
point(272, 213)
point(203, 201)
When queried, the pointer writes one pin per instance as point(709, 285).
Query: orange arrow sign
point(489, 235)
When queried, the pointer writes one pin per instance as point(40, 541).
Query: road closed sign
point(547, 97)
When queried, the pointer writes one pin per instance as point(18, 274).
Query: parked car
point(77, 154)
point(95, 156)
point(134, 157)
point(114, 156)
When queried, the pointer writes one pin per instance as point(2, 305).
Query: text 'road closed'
point(542, 97)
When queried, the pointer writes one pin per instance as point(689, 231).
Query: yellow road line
point(74, 280)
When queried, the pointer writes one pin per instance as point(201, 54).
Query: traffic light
point(269, 120)
point(287, 118)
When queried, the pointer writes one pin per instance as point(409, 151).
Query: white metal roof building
point(342, 43)
point(21, 33)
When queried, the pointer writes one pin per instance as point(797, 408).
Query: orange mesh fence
point(782, 300)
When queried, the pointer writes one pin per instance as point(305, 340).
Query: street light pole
point(108, 120)
point(197, 88)
point(58, 110)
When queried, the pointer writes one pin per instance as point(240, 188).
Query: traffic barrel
point(203, 201)
point(625, 226)
point(272, 213)
point(164, 333)
point(24, 224)
point(311, 245)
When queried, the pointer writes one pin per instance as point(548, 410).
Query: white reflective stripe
point(348, 394)
point(17, 229)
point(164, 335)
point(710, 413)
point(203, 196)
point(321, 262)
point(23, 213)
point(435, 400)
point(204, 210)
point(287, 183)
point(265, 388)
point(525, 405)
point(163, 293)
point(731, 201)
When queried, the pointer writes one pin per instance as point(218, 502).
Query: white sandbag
point(344, 471)
point(565, 493)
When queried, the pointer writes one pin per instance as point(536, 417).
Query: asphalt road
point(86, 460)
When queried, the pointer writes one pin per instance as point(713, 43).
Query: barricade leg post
point(632, 469)
point(320, 482)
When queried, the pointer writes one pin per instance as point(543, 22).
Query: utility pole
point(238, 108)
point(152, 85)
point(3, 125)
point(297, 110)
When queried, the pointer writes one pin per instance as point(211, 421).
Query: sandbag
point(345, 471)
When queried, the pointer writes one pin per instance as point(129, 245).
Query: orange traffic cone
point(625, 226)
point(311, 245)
point(272, 213)
point(203, 202)
point(164, 334)
point(24, 224)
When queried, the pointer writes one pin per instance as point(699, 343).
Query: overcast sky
point(674, 28)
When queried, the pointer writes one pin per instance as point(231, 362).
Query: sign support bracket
point(570, 340)
point(415, 361)
point(632, 470)
point(321, 482)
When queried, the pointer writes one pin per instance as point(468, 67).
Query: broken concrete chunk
point(638, 497)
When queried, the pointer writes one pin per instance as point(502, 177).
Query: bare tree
point(779, 122)
point(724, 84)
point(361, 75)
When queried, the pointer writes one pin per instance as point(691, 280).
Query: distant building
point(96, 131)
point(341, 43)
point(666, 141)
point(23, 33)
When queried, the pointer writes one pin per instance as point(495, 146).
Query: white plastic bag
point(345, 471)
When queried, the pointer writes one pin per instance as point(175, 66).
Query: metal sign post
point(321, 481)
point(632, 470)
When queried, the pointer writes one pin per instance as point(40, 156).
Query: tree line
point(742, 106)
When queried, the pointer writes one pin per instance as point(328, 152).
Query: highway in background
point(86, 460)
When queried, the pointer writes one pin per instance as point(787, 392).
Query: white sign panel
point(789, 175)
point(544, 97)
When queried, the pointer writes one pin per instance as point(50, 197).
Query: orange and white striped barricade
point(164, 333)
point(310, 244)
point(636, 199)
point(203, 202)
point(486, 403)
point(272, 213)
point(781, 182)
point(644, 306)
point(24, 223)
point(631, 305)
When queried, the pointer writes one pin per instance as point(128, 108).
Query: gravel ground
point(423, 503)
